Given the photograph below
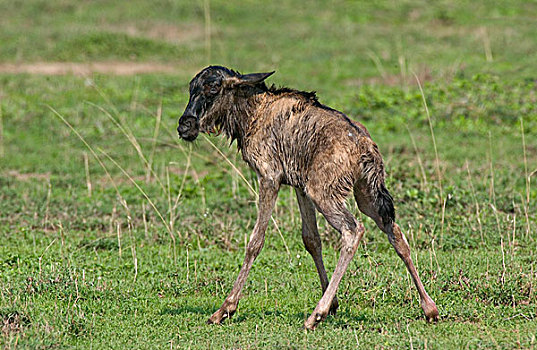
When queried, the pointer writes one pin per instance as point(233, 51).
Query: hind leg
point(351, 233)
point(312, 241)
point(399, 242)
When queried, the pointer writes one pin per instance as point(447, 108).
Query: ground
point(116, 234)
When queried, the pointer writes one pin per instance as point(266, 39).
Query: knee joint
point(351, 238)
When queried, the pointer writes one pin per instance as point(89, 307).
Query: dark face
point(205, 89)
point(206, 92)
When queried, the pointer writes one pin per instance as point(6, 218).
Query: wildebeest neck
point(238, 114)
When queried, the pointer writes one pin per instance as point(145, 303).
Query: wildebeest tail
point(372, 168)
point(384, 204)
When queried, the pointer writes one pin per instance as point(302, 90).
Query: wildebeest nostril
point(182, 128)
point(185, 124)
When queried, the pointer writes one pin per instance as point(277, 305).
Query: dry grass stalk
point(527, 178)
point(476, 203)
point(88, 179)
point(437, 158)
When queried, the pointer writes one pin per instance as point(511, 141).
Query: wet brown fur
point(288, 137)
point(273, 126)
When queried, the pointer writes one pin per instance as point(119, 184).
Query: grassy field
point(117, 235)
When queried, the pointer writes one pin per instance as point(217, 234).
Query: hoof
point(432, 316)
point(219, 316)
point(211, 320)
point(431, 311)
point(313, 321)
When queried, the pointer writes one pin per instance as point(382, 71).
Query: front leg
point(268, 192)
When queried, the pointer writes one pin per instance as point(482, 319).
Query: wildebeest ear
point(251, 79)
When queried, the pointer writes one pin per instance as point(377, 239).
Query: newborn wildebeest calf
point(289, 138)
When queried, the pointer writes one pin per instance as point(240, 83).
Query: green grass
point(101, 270)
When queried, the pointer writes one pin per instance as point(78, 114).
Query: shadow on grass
point(262, 314)
point(208, 311)
point(343, 320)
point(201, 310)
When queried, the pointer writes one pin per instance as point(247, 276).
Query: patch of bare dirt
point(12, 323)
point(84, 69)
point(175, 34)
point(27, 176)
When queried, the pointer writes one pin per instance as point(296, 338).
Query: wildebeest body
point(289, 138)
point(279, 124)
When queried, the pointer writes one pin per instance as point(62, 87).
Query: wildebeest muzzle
point(188, 128)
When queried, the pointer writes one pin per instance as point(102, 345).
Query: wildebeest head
point(208, 89)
